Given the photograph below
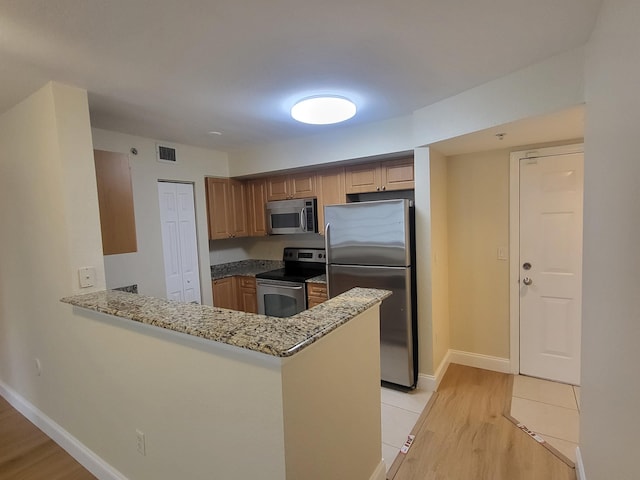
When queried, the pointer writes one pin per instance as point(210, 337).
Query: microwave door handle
point(303, 219)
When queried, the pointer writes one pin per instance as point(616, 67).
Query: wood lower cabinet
point(316, 294)
point(380, 176)
point(331, 190)
point(235, 293)
point(285, 187)
point(224, 293)
point(226, 208)
point(247, 298)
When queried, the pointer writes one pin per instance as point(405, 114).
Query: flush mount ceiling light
point(323, 110)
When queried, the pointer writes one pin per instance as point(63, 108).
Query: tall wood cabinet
point(330, 190)
point(115, 201)
point(226, 208)
point(256, 213)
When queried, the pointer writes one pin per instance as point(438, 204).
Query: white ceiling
point(176, 70)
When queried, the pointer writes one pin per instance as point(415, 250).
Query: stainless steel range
point(283, 292)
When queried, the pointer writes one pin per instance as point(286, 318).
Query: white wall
point(549, 86)
point(344, 143)
point(422, 168)
point(439, 257)
point(259, 248)
point(478, 208)
point(610, 420)
point(146, 267)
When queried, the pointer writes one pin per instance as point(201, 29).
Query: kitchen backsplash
point(267, 248)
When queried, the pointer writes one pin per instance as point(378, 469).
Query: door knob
point(527, 281)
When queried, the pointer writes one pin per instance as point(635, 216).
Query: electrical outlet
point(140, 443)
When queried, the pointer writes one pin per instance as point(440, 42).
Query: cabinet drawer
point(247, 282)
point(317, 290)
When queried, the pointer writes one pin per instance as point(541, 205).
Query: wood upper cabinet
point(284, 187)
point(330, 190)
point(238, 218)
point(256, 213)
point(380, 176)
point(247, 295)
point(115, 201)
point(224, 293)
point(226, 208)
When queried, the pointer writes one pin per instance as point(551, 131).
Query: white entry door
point(179, 241)
point(551, 192)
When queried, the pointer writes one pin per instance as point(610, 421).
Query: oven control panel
point(315, 255)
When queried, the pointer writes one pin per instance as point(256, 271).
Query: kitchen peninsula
point(273, 398)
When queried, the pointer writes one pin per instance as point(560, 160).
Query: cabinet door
point(302, 185)
point(218, 207)
point(330, 185)
point(237, 214)
point(278, 188)
point(256, 214)
point(224, 293)
point(115, 201)
point(247, 299)
point(397, 174)
point(363, 178)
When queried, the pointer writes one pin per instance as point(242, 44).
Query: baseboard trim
point(478, 360)
point(431, 383)
point(380, 473)
point(580, 466)
point(83, 455)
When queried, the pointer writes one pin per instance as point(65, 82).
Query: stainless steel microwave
point(292, 216)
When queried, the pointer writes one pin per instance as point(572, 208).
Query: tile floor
point(550, 409)
point(400, 411)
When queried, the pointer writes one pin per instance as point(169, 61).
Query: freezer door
point(368, 233)
point(396, 316)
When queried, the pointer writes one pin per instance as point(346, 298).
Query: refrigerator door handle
point(326, 254)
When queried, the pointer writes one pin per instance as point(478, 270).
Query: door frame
point(514, 240)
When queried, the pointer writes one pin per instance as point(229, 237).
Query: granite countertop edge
point(278, 337)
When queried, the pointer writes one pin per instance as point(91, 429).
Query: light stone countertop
point(280, 337)
point(246, 268)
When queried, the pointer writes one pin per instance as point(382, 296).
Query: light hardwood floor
point(28, 454)
point(463, 435)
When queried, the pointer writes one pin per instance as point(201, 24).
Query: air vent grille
point(166, 154)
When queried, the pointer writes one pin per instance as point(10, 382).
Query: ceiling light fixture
point(323, 110)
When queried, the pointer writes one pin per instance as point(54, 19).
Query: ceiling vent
point(165, 153)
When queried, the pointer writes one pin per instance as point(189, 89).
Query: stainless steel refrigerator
point(371, 244)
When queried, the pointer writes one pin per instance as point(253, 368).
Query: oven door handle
point(277, 284)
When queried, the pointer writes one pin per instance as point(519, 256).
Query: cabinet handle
point(377, 188)
point(384, 188)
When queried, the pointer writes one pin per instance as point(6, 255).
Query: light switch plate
point(502, 253)
point(87, 276)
